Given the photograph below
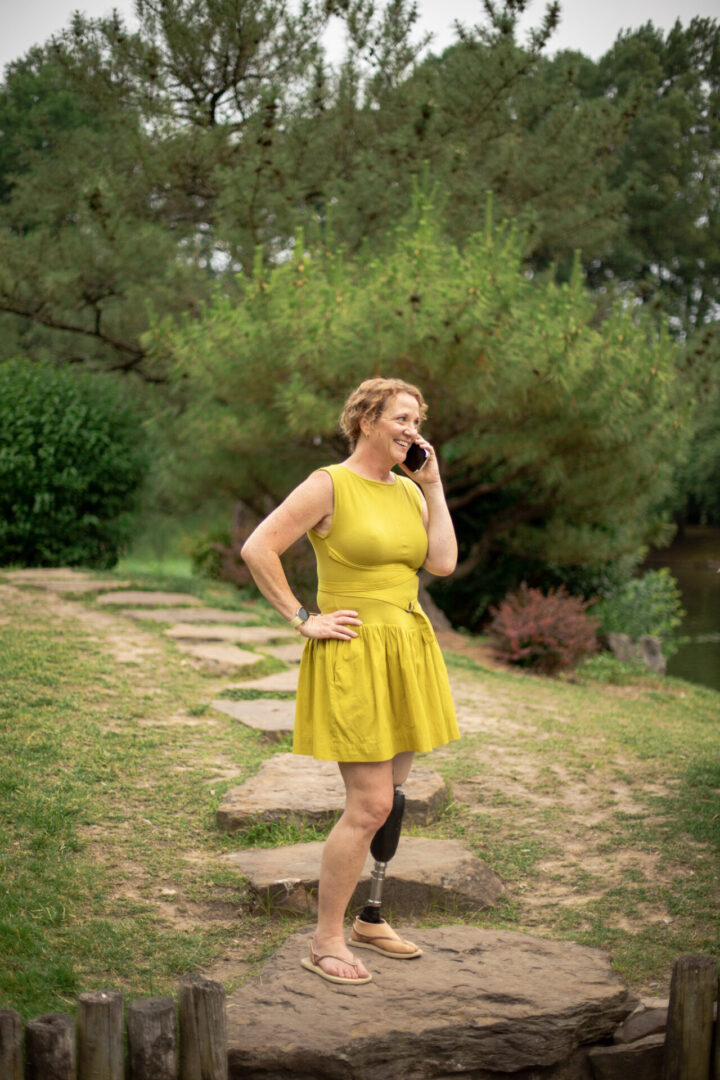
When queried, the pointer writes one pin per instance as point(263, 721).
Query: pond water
point(694, 560)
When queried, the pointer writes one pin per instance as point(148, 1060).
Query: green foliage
point(697, 479)
point(650, 604)
point(72, 456)
point(555, 434)
point(544, 632)
point(667, 168)
point(141, 167)
point(608, 670)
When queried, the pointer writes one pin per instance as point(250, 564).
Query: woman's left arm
point(442, 550)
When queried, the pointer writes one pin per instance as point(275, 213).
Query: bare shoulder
point(317, 488)
point(310, 503)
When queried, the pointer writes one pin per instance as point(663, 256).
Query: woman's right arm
point(303, 509)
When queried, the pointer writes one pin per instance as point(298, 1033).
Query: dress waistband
point(387, 591)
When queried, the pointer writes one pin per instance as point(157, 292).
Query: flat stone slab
point(289, 654)
point(59, 580)
point(424, 875)
point(201, 615)
point(481, 1003)
point(283, 681)
point(293, 787)
point(219, 659)
point(242, 635)
point(70, 585)
point(641, 1060)
point(141, 598)
point(50, 573)
point(273, 718)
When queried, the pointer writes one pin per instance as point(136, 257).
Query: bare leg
point(369, 787)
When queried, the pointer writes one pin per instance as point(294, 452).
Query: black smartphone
point(415, 457)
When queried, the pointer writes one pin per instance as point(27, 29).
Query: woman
point(373, 687)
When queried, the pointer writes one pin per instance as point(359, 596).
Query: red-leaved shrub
point(546, 633)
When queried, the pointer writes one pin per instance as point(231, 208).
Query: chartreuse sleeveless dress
point(385, 691)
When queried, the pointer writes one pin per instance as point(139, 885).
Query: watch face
point(303, 614)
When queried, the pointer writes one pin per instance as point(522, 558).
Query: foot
point(334, 958)
point(381, 938)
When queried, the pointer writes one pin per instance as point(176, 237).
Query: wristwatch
point(302, 616)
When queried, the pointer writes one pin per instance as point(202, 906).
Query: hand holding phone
point(415, 457)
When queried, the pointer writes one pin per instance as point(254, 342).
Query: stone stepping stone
point(71, 586)
point(219, 659)
point(243, 635)
point(140, 598)
point(58, 580)
point(478, 1003)
point(47, 573)
point(293, 787)
point(279, 681)
point(273, 718)
point(186, 615)
point(425, 875)
point(289, 654)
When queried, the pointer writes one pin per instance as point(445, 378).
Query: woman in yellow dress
point(373, 688)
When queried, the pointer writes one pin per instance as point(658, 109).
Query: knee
point(371, 812)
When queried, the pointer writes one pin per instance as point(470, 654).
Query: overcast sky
point(588, 25)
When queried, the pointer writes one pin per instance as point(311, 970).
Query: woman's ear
point(365, 425)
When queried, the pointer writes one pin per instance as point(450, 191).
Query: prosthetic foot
point(370, 930)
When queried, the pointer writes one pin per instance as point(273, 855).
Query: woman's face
point(396, 428)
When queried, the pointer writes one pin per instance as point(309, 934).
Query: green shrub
point(607, 669)
point(650, 604)
point(72, 456)
point(547, 633)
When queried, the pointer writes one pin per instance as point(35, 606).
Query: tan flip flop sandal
point(381, 938)
point(312, 963)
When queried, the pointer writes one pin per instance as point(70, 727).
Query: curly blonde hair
point(369, 401)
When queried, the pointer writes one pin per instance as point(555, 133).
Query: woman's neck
point(365, 461)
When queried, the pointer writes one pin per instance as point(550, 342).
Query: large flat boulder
point(292, 787)
point(272, 717)
point(425, 875)
point(478, 1004)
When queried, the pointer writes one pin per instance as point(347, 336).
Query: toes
point(346, 969)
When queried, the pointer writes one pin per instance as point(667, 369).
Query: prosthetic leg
point(370, 930)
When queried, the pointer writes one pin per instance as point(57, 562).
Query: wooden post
point(50, 1048)
point(100, 1052)
point(715, 1074)
point(688, 1038)
point(203, 1030)
point(152, 1039)
point(10, 1045)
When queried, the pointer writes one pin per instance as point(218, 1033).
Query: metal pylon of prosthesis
point(383, 847)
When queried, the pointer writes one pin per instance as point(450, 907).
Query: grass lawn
point(596, 799)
